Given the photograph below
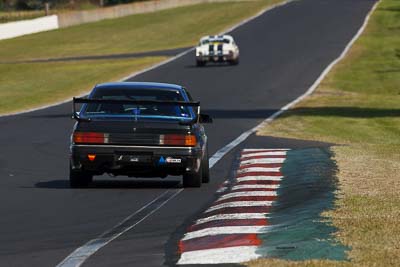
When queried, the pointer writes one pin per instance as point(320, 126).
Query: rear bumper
point(136, 161)
point(215, 58)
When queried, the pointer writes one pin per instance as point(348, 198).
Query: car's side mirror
point(204, 118)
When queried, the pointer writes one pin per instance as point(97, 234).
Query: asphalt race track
point(42, 220)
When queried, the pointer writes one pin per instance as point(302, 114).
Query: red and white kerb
point(227, 232)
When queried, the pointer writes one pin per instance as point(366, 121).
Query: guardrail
point(23, 27)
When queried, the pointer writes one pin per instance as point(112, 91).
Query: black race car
point(139, 130)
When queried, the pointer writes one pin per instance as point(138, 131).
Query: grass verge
point(357, 107)
point(29, 85)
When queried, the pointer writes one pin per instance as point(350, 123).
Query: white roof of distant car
point(216, 37)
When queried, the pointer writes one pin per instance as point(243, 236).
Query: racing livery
point(220, 48)
point(138, 129)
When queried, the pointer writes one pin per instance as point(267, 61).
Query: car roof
point(143, 85)
point(140, 85)
point(216, 37)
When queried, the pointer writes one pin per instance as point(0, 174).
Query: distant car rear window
point(208, 41)
point(138, 111)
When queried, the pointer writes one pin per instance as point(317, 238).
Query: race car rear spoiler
point(76, 100)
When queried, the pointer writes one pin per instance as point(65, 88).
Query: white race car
point(219, 48)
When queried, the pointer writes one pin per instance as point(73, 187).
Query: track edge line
point(136, 73)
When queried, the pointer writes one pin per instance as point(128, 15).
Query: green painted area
point(358, 106)
point(299, 231)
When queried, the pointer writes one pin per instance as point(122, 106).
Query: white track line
point(226, 230)
point(262, 161)
point(219, 255)
point(136, 73)
point(258, 169)
point(212, 161)
point(240, 204)
point(222, 189)
point(264, 149)
point(257, 154)
point(81, 254)
point(248, 194)
point(223, 151)
point(246, 253)
point(132, 75)
point(233, 216)
point(259, 178)
point(255, 186)
point(227, 148)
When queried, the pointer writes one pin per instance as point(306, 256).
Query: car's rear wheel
point(192, 179)
point(235, 61)
point(205, 169)
point(79, 179)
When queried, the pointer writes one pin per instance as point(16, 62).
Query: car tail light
point(178, 140)
point(90, 138)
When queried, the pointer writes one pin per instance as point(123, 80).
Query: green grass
point(28, 85)
point(172, 28)
point(359, 102)
point(33, 84)
point(357, 107)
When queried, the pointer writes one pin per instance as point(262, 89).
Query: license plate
point(134, 158)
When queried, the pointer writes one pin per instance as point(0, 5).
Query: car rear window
point(209, 41)
point(137, 111)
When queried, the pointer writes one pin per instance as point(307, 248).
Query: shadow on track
point(52, 116)
point(156, 53)
point(390, 9)
point(349, 112)
point(239, 114)
point(211, 65)
point(117, 184)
